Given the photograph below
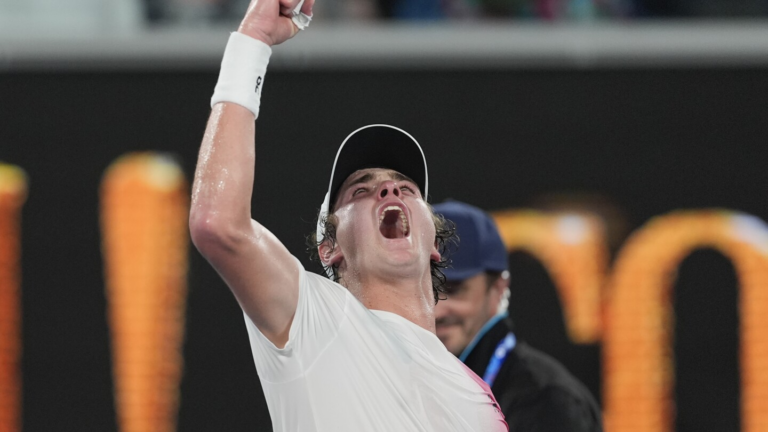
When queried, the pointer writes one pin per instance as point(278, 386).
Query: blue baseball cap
point(480, 246)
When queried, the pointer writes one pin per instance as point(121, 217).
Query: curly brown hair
point(446, 241)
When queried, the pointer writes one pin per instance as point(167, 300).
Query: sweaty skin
point(386, 274)
point(255, 265)
point(391, 274)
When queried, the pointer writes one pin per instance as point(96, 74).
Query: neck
point(409, 298)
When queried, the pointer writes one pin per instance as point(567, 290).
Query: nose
point(388, 187)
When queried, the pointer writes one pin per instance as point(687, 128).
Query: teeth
point(392, 207)
point(403, 219)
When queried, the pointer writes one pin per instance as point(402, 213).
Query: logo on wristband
point(258, 84)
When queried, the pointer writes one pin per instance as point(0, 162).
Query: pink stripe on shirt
point(487, 391)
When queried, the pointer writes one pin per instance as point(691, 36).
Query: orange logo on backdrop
point(637, 331)
point(13, 192)
point(144, 212)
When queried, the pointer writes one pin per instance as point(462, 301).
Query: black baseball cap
point(374, 146)
point(481, 248)
point(379, 146)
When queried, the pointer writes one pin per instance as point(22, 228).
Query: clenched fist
point(270, 20)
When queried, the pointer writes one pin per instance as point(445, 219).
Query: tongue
point(391, 226)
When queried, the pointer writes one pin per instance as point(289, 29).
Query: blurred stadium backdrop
point(624, 163)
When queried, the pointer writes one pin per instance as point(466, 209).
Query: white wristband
point(242, 72)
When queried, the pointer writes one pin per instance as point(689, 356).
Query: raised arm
point(255, 265)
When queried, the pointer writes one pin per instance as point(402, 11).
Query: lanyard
point(499, 355)
point(489, 325)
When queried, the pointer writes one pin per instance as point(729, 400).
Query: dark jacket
point(535, 392)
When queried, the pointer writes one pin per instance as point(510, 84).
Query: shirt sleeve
point(320, 311)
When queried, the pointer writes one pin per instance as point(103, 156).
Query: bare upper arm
point(259, 270)
point(254, 263)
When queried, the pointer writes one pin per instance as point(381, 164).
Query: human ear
point(329, 255)
point(434, 254)
point(497, 291)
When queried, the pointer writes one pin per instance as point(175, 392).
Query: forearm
point(254, 263)
point(224, 177)
point(223, 185)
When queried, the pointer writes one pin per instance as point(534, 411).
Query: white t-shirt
point(348, 368)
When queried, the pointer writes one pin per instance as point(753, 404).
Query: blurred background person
point(535, 392)
point(576, 10)
point(197, 12)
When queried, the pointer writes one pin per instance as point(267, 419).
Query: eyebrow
point(365, 178)
point(395, 175)
point(399, 177)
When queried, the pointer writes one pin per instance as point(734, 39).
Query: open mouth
point(393, 224)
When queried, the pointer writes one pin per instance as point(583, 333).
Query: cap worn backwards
point(481, 248)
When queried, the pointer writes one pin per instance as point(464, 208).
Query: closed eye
point(359, 190)
point(408, 188)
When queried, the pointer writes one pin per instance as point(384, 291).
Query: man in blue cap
point(534, 391)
